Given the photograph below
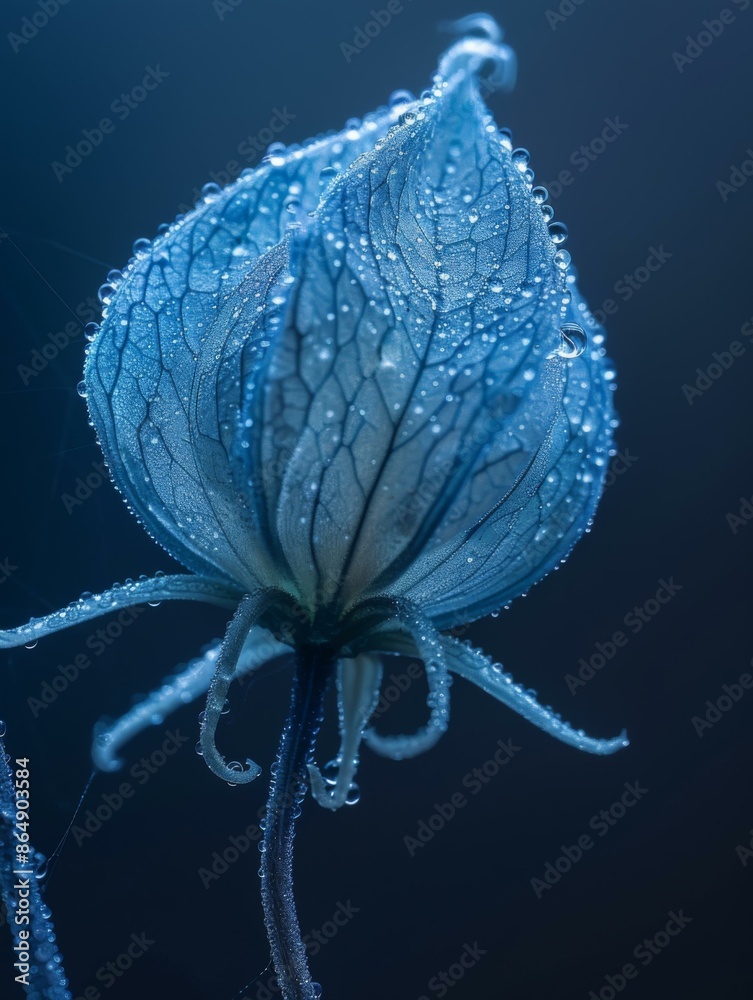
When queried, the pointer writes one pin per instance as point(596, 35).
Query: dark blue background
point(666, 516)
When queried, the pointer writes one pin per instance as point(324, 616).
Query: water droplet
point(398, 97)
point(573, 342)
point(81, 388)
point(330, 771)
point(408, 118)
point(520, 158)
point(562, 259)
point(199, 750)
point(210, 189)
point(32, 644)
point(540, 195)
point(354, 795)
point(141, 246)
point(91, 330)
point(3, 729)
point(275, 154)
point(234, 765)
point(558, 232)
point(548, 212)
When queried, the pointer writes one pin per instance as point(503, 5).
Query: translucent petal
point(152, 591)
point(536, 522)
point(358, 683)
point(411, 377)
point(473, 665)
point(169, 461)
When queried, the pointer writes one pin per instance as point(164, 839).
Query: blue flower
point(357, 394)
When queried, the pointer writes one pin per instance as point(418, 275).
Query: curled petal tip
point(251, 772)
point(473, 51)
point(484, 24)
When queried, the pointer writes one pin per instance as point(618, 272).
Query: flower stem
point(314, 667)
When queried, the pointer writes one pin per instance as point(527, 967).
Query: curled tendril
point(246, 616)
